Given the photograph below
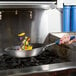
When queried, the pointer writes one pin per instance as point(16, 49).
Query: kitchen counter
point(39, 69)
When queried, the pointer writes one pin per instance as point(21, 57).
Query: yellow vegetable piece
point(23, 48)
point(21, 34)
point(29, 48)
point(27, 43)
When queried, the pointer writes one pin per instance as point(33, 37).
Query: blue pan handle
point(71, 38)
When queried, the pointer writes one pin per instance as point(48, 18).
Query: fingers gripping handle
point(71, 38)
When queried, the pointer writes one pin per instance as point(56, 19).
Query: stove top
point(47, 57)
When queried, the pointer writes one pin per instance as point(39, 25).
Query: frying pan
point(13, 51)
point(37, 49)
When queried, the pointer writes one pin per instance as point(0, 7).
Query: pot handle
point(57, 42)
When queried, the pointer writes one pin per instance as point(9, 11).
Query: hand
point(66, 40)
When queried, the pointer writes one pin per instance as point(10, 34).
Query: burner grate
point(47, 57)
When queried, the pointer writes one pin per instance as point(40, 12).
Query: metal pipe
point(73, 19)
point(66, 19)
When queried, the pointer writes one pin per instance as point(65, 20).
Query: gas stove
point(52, 59)
point(48, 61)
point(47, 57)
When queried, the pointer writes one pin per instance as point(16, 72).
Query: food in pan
point(21, 34)
point(25, 45)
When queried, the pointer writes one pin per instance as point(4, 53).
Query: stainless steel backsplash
point(11, 24)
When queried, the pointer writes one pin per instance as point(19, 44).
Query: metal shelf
point(27, 4)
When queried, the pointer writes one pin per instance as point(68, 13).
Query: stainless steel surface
point(12, 51)
point(12, 24)
point(50, 44)
point(46, 47)
point(15, 52)
point(39, 69)
point(27, 4)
